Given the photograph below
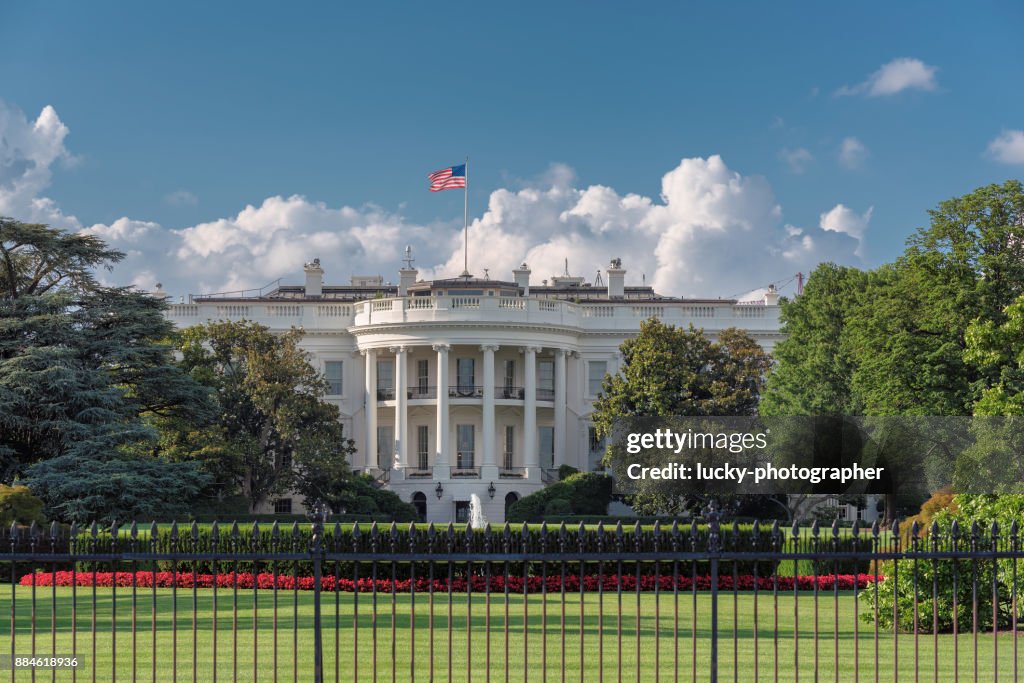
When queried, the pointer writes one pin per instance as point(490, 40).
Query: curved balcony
point(624, 315)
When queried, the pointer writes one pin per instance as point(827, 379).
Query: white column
point(488, 417)
point(560, 408)
point(401, 408)
point(371, 408)
point(441, 436)
point(531, 457)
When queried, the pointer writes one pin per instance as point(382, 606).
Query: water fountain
point(476, 513)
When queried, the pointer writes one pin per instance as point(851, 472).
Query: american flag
point(450, 178)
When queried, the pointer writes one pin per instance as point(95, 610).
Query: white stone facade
point(519, 367)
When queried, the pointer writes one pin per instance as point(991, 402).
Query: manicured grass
point(545, 653)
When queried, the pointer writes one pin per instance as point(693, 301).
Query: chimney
point(771, 297)
point(406, 275)
point(522, 277)
point(314, 278)
point(616, 279)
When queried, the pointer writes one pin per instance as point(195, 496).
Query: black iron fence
point(313, 602)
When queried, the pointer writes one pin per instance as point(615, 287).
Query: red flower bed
point(534, 584)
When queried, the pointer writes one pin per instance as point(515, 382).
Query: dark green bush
point(17, 504)
point(588, 493)
point(898, 589)
point(565, 471)
point(557, 506)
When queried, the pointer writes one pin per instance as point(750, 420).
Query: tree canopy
point(274, 431)
point(83, 366)
point(669, 371)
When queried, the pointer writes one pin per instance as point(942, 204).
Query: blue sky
point(812, 131)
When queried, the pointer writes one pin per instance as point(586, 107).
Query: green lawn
point(544, 654)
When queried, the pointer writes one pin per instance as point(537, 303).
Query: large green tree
point(83, 366)
point(812, 368)
point(670, 371)
point(274, 431)
point(908, 335)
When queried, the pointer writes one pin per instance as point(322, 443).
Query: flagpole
point(465, 226)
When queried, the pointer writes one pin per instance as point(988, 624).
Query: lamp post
point(439, 490)
point(491, 490)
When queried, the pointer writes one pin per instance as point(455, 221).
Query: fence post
point(318, 513)
point(714, 516)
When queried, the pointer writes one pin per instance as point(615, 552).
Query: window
point(385, 447)
point(547, 447)
point(510, 443)
point(422, 447)
point(422, 377)
point(510, 374)
point(596, 446)
point(546, 375)
point(465, 446)
point(283, 506)
point(596, 370)
point(546, 380)
point(385, 379)
point(465, 375)
point(333, 370)
point(462, 512)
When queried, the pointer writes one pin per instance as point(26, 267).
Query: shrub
point(565, 471)
point(558, 506)
point(587, 493)
point(17, 504)
point(898, 588)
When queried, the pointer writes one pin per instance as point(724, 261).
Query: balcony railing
point(465, 391)
point(422, 391)
point(514, 393)
point(385, 393)
point(512, 472)
point(419, 473)
point(545, 394)
point(465, 473)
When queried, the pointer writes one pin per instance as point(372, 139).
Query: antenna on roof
point(567, 267)
point(408, 257)
point(598, 282)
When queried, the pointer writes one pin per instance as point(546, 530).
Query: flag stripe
point(450, 178)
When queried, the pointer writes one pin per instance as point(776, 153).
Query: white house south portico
point(468, 385)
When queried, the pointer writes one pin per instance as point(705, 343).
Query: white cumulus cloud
point(842, 219)
point(903, 73)
point(1008, 147)
point(28, 151)
point(711, 231)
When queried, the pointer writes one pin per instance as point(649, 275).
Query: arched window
point(419, 501)
point(509, 499)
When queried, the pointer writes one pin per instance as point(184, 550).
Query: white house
point(470, 385)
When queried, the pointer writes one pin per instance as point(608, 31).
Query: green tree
point(275, 432)
point(83, 366)
point(993, 463)
point(811, 375)
point(908, 335)
point(669, 371)
point(997, 351)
